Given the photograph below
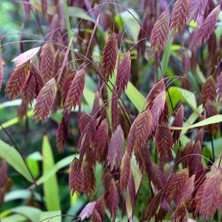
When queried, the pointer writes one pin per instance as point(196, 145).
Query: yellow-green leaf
point(135, 96)
point(53, 170)
point(205, 122)
point(50, 186)
point(181, 95)
point(13, 158)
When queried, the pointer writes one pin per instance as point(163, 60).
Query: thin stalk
point(93, 34)
point(212, 146)
point(65, 59)
point(161, 70)
point(151, 189)
point(70, 36)
point(219, 161)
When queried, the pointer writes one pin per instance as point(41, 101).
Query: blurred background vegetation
point(18, 34)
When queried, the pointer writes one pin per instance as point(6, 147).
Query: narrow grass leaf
point(13, 158)
point(50, 186)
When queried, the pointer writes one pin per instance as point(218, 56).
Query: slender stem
point(171, 102)
point(220, 161)
point(69, 32)
point(64, 60)
point(212, 146)
point(93, 34)
point(151, 189)
point(161, 70)
point(35, 12)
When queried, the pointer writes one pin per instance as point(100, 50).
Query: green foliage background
point(51, 192)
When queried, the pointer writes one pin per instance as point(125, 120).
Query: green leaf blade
point(135, 96)
point(52, 216)
point(53, 170)
point(13, 158)
point(50, 186)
